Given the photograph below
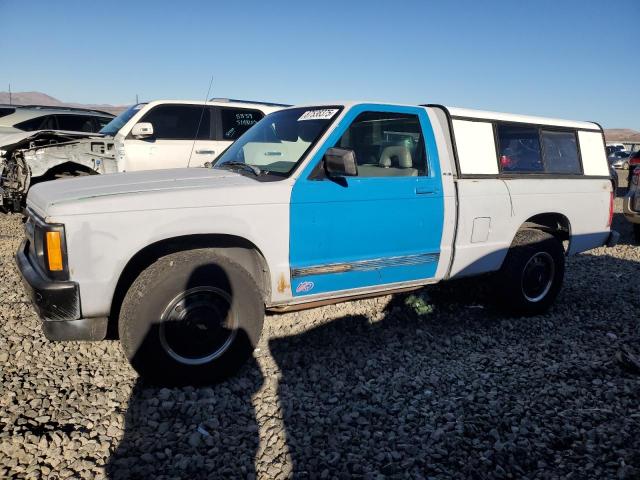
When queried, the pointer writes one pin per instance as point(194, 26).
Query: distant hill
point(39, 98)
point(621, 135)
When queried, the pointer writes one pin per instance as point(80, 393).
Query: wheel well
point(238, 249)
point(66, 167)
point(554, 223)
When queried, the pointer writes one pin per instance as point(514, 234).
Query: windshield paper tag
point(324, 114)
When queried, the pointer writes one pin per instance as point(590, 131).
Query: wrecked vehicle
point(313, 205)
point(22, 164)
point(146, 136)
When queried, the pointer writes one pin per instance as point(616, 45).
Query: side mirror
point(142, 130)
point(340, 162)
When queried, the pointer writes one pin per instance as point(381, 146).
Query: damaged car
point(147, 136)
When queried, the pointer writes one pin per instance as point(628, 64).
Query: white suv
point(173, 133)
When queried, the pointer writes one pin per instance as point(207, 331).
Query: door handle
point(425, 190)
point(206, 152)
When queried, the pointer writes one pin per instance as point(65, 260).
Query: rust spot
point(282, 284)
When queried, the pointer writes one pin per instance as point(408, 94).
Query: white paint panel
point(594, 158)
point(445, 154)
point(584, 202)
point(482, 198)
point(109, 218)
point(512, 202)
point(476, 147)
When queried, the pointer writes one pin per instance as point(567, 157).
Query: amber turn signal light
point(54, 251)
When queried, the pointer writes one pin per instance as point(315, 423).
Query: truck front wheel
point(192, 317)
point(532, 273)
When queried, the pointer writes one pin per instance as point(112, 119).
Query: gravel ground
point(441, 387)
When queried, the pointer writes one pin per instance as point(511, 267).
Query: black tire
point(532, 273)
point(636, 232)
point(192, 317)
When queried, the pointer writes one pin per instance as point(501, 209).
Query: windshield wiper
point(244, 166)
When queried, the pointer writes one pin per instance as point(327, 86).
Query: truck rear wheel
point(532, 273)
point(192, 317)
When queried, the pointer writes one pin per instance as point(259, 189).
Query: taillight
point(635, 160)
point(611, 199)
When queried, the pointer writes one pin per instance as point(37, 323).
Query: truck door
point(383, 226)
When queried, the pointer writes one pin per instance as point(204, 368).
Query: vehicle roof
point(475, 114)
point(28, 112)
point(221, 103)
point(255, 102)
point(514, 117)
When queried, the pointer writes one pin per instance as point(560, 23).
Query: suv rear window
point(76, 123)
point(236, 121)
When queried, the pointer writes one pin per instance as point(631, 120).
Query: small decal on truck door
point(304, 287)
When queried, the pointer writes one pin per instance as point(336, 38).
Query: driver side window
point(386, 144)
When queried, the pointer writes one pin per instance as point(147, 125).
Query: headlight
point(54, 251)
point(48, 246)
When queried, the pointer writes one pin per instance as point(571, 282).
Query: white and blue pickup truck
point(312, 205)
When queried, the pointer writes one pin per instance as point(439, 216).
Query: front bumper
point(57, 304)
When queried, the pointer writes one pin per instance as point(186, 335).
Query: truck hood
point(144, 190)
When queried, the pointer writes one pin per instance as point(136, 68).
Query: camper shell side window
point(524, 149)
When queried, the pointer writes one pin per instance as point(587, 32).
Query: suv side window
point(386, 144)
point(179, 122)
point(101, 122)
point(78, 123)
point(519, 148)
point(236, 121)
point(560, 152)
point(46, 122)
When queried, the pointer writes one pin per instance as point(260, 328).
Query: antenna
point(10, 95)
point(137, 101)
point(195, 137)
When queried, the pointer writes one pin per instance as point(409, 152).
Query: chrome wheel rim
point(537, 276)
point(198, 325)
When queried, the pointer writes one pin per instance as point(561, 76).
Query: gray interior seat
point(394, 161)
point(397, 156)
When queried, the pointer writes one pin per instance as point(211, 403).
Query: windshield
point(279, 141)
point(117, 123)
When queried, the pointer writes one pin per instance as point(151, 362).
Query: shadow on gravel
point(441, 387)
point(462, 391)
point(190, 433)
point(624, 228)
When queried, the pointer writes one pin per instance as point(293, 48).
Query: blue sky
point(572, 59)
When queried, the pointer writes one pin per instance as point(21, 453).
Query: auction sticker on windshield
point(324, 114)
